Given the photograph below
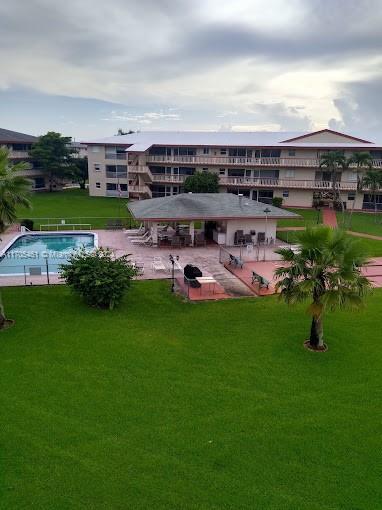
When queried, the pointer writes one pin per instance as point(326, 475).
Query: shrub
point(98, 277)
point(277, 201)
point(202, 182)
point(27, 223)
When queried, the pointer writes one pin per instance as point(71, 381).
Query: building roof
point(204, 206)
point(143, 140)
point(7, 136)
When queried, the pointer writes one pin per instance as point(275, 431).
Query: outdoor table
point(206, 279)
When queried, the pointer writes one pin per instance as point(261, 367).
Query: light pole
point(172, 261)
point(47, 267)
point(266, 211)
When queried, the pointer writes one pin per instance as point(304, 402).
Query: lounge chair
point(147, 240)
point(139, 238)
point(157, 264)
point(140, 267)
point(135, 231)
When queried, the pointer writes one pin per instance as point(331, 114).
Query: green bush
point(202, 182)
point(27, 223)
point(98, 277)
point(277, 201)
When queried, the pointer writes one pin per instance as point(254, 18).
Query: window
point(254, 194)
point(185, 170)
point(206, 150)
point(155, 170)
point(236, 173)
point(289, 174)
point(111, 186)
point(116, 171)
point(237, 191)
point(205, 170)
point(371, 202)
point(292, 153)
point(123, 187)
point(237, 152)
point(265, 196)
point(97, 167)
point(270, 153)
point(160, 151)
point(221, 171)
point(98, 185)
point(184, 151)
point(39, 182)
point(21, 146)
point(351, 195)
point(269, 174)
point(223, 152)
point(285, 193)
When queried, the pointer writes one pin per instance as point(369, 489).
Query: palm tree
point(334, 161)
point(327, 271)
point(14, 190)
point(362, 160)
point(373, 181)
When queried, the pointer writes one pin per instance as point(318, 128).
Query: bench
point(263, 282)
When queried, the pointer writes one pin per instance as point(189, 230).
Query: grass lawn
point(164, 404)
point(76, 206)
point(372, 247)
point(362, 222)
point(309, 217)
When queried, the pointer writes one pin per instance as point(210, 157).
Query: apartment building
point(19, 145)
point(259, 165)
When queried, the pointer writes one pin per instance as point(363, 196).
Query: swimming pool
point(31, 252)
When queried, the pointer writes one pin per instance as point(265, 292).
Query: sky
point(88, 67)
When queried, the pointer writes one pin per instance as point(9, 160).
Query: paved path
point(329, 217)
point(351, 232)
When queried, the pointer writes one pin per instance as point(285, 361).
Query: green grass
point(361, 222)
point(164, 404)
point(76, 206)
point(309, 217)
point(372, 247)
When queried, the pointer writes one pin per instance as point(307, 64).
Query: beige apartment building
point(19, 145)
point(258, 165)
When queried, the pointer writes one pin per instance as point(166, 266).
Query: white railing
point(116, 193)
point(19, 154)
point(244, 161)
point(118, 155)
point(179, 179)
point(284, 183)
point(140, 190)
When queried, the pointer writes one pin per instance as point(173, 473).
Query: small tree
point(373, 181)
point(99, 278)
point(326, 271)
point(202, 182)
point(362, 160)
point(78, 171)
point(53, 154)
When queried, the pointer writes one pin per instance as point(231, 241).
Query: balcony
point(141, 170)
point(245, 162)
point(140, 191)
point(113, 155)
point(116, 193)
point(116, 175)
point(168, 178)
point(19, 155)
point(253, 182)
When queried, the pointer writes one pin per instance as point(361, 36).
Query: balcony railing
point(285, 183)
point(116, 193)
point(19, 155)
point(243, 161)
point(178, 179)
point(118, 155)
point(140, 190)
point(141, 170)
point(116, 175)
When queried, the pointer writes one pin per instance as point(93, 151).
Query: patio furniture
point(200, 239)
point(261, 237)
point(239, 237)
point(208, 280)
point(177, 266)
point(176, 241)
point(190, 274)
point(146, 241)
point(157, 264)
point(140, 267)
point(139, 238)
point(235, 261)
point(135, 231)
point(263, 282)
point(186, 240)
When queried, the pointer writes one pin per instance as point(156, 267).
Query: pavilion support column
point(154, 233)
point(192, 233)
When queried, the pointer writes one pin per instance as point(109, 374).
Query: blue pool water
point(33, 250)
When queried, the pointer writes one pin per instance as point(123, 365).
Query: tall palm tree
point(373, 181)
point(362, 160)
point(326, 271)
point(334, 161)
point(14, 190)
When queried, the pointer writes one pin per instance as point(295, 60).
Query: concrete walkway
point(329, 217)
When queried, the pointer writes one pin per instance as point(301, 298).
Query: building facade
point(19, 145)
point(258, 165)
